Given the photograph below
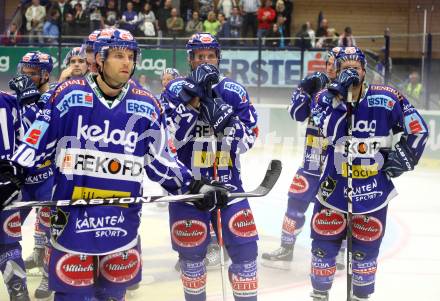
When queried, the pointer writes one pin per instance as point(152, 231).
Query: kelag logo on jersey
point(230, 86)
point(35, 133)
point(381, 101)
point(75, 99)
point(141, 108)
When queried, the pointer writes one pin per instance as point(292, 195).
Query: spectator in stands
point(51, 30)
point(380, 66)
point(69, 26)
point(273, 37)
point(82, 2)
point(311, 33)
point(129, 19)
point(63, 7)
point(12, 35)
point(81, 20)
point(194, 25)
point(95, 17)
point(109, 14)
point(225, 7)
point(266, 16)
point(175, 24)
point(147, 21)
point(282, 30)
point(288, 4)
point(414, 88)
point(224, 33)
point(137, 5)
point(35, 15)
point(346, 39)
point(143, 81)
point(163, 13)
point(322, 29)
point(235, 21)
point(186, 9)
point(250, 23)
point(303, 39)
point(328, 41)
point(205, 6)
point(280, 10)
point(211, 25)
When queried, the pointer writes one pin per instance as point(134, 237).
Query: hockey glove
point(199, 82)
point(346, 78)
point(314, 82)
point(11, 180)
point(26, 90)
point(216, 195)
point(216, 113)
point(399, 160)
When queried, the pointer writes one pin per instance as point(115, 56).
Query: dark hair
point(347, 29)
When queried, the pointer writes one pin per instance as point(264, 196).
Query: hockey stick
point(350, 196)
point(272, 174)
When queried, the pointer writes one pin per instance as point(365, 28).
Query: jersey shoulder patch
point(234, 87)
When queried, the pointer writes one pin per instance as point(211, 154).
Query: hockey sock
point(193, 275)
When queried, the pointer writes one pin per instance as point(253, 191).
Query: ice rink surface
point(409, 263)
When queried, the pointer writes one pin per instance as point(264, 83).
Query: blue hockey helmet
point(115, 38)
point(333, 53)
point(91, 39)
point(202, 40)
point(36, 59)
point(350, 54)
point(172, 71)
point(76, 51)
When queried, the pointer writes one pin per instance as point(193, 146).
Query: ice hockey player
point(216, 116)
point(379, 111)
point(41, 184)
point(34, 70)
point(101, 132)
point(304, 185)
point(11, 260)
point(87, 48)
point(76, 64)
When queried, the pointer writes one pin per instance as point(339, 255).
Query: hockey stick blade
point(272, 174)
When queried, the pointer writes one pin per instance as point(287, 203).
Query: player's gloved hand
point(27, 92)
point(314, 82)
point(346, 78)
point(216, 113)
point(11, 180)
point(216, 195)
point(399, 160)
point(199, 82)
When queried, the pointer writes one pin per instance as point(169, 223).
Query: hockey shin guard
point(243, 271)
point(293, 222)
point(323, 266)
point(193, 275)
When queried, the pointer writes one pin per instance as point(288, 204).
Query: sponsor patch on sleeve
point(236, 88)
point(414, 124)
point(35, 133)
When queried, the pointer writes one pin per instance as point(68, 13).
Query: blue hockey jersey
point(196, 144)
point(381, 112)
point(101, 150)
point(300, 108)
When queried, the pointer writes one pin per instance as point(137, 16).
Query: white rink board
point(409, 260)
